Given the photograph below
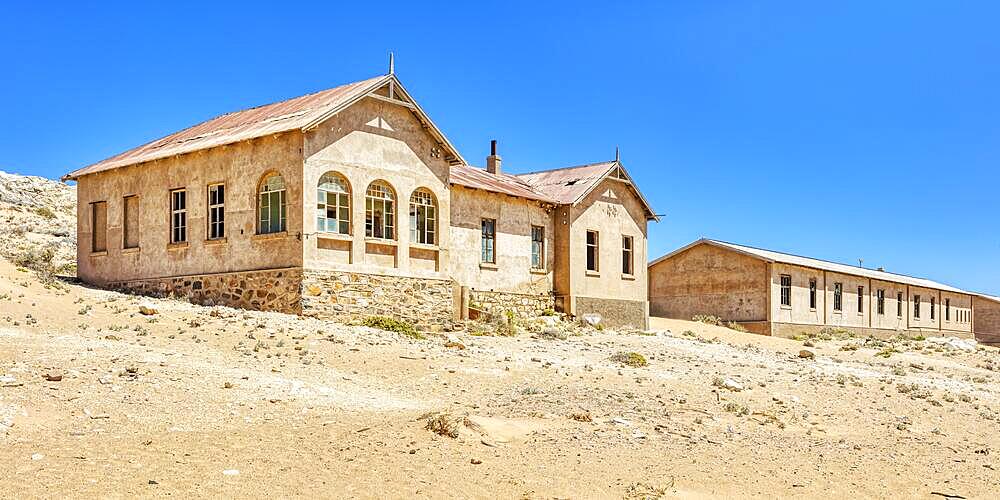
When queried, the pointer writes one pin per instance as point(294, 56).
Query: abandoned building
point(349, 203)
point(785, 295)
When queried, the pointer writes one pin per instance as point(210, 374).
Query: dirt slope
point(38, 223)
point(206, 402)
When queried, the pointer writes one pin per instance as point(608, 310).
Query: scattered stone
point(476, 461)
point(37, 456)
point(148, 309)
point(806, 354)
point(230, 472)
point(227, 385)
point(53, 376)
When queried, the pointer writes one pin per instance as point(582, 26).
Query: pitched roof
point(477, 178)
point(302, 113)
point(570, 185)
point(785, 258)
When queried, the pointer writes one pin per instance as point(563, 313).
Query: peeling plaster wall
point(987, 320)
point(240, 166)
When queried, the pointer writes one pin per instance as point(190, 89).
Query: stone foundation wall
point(275, 290)
point(614, 312)
point(790, 330)
point(523, 305)
point(343, 296)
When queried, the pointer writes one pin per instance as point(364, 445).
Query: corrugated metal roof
point(772, 256)
point(568, 185)
point(477, 178)
point(238, 126)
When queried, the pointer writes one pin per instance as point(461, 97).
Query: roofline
point(617, 163)
point(723, 245)
point(561, 168)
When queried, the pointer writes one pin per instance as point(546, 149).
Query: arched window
point(423, 217)
point(271, 205)
point(333, 208)
point(380, 211)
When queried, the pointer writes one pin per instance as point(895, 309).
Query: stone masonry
point(348, 296)
point(522, 305)
point(272, 290)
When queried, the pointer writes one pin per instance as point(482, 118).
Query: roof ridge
point(565, 168)
point(251, 108)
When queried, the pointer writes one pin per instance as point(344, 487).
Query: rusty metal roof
point(477, 178)
point(297, 113)
point(568, 185)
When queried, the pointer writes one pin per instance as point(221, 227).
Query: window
point(812, 293)
point(627, 267)
point(916, 306)
point(422, 217)
point(178, 216)
point(271, 205)
point(130, 222)
point(786, 290)
point(99, 226)
point(380, 211)
point(593, 241)
point(216, 211)
point(489, 241)
point(947, 309)
point(932, 308)
point(899, 304)
point(861, 300)
point(880, 302)
point(838, 296)
point(537, 247)
point(333, 204)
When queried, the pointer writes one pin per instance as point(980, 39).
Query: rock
point(37, 456)
point(230, 472)
point(476, 461)
point(228, 385)
point(554, 333)
point(148, 309)
point(549, 320)
point(592, 319)
point(806, 354)
point(53, 376)
point(732, 385)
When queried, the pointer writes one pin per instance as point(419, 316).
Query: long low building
point(774, 293)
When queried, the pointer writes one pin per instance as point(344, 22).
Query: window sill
point(270, 236)
point(381, 241)
point(424, 246)
point(628, 277)
point(102, 253)
point(838, 312)
point(126, 251)
point(334, 236)
point(787, 308)
point(488, 265)
point(217, 241)
point(537, 270)
point(594, 274)
point(178, 246)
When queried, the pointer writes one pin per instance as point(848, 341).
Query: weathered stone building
point(779, 294)
point(349, 203)
point(986, 321)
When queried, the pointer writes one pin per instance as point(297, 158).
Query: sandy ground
point(206, 402)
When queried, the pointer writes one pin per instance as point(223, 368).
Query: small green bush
point(392, 325)
point(548, 312)
point(708, 319)
point(45, 212)
point(732, 325)
point(632, 359)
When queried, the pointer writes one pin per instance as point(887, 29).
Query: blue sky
point(856, 130)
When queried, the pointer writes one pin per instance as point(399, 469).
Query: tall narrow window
point(838, 296)
point(537, 247)
point(916, 306)
point(489, 241)
point(932, 308)
point(627, 251)
point(333, 204)
point(861, 299)
point(947, 309)
point(130, 222)
point(423, 217)
point(216, 211)
point(380, 211)
point(271, 211)
point(899, 304)
point(786, 290)
point(99, 226)
point(812, 293)
point(880, 302)
point(593, 242)
point(178, 216)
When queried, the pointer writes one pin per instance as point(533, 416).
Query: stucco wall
point(375, 140)
point(954, 321)
point(987, 320)
point(240, 166)
point(709, 280)
point(848, 317)
point(514, 218)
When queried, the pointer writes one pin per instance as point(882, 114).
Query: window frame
point(947, 309)
point(488, 241)
point(916, 307)
point(812, 294)
point(178, 216)
point(838, 297)
point(933, 303)
point(269, 196)
point(628, 255)
point(538, 248)
point(323, 205)
point(427, 210)
point(593, 251)
point(386, 200)
point(94, 224)
point(126, 229)
point(213, 208)
point(786, 290)
point(899, 304)
point(861, 300)
point(880, 301)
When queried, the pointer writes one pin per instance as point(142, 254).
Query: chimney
point(493, 160)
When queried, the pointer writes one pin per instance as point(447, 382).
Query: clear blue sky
point(842, 131)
